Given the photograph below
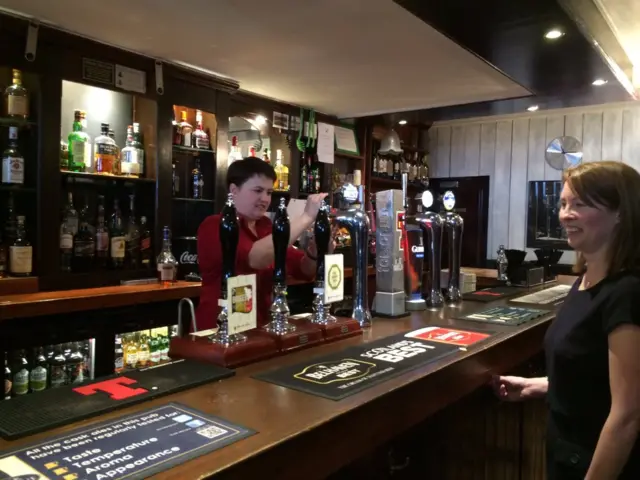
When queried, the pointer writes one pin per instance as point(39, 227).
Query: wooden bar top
point(304, 436)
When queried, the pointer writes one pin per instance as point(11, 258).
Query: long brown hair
point(616, 187)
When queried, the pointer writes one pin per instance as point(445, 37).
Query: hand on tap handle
point(312, 207)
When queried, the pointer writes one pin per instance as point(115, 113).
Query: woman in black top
point(593, 346)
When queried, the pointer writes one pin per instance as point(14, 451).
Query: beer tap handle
point(229, 235)
point(322, 234)
point(281, 233)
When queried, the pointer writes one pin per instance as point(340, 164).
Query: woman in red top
point(250, 180)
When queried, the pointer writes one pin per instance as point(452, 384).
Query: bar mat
point(134, 447)
point(553, 295)
point(491, 294)
point(357, 368)
point(38, 412)
point(512, 316)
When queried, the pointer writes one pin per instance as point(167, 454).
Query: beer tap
point(356, 221)
point(322, 233)
point(279, 312)
point(431, 224)
point(454, 225)
point(229, 235)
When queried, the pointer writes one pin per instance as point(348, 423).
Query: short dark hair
point(242, 170)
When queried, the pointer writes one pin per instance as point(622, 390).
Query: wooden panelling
point(511, 150)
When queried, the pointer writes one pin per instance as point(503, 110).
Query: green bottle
point(79, 145)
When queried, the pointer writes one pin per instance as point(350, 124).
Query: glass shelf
point(98, 178)
point(186, 199)
point(191, 150)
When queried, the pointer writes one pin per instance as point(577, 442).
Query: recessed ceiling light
point(553, 34)
point(402, 122)
point(533, 108)
point(598, 82)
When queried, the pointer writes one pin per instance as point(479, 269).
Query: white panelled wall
point(510, 149)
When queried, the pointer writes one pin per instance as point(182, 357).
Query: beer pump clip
point(240, 344)
point(454, 225)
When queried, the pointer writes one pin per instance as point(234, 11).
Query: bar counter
point(304, 436)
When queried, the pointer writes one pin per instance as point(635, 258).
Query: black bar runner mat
point(511, 316)
point(491, 294)
point(38, 412)
point(549, 296)
point(357, 368)
point(134, 446)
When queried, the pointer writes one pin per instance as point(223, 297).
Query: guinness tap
point(322, 233)
point(279, 311)
point(229, 235)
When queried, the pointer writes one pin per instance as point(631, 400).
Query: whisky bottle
point(131, 355)
point(20, 383)
point(200, 138)
point(21, 253)
point(105, 152)
point(12, 160)
point(119, 355)
point(137, 166)
point(66, 245)
point(79, 145)
point(282, 174)
point(186, 129)
point(167, 264)
point(143, 350)
point(117, 235)
point(84, 245)
point(16, 97)
point(197, 180)
point(146, 253)
point(102, 237)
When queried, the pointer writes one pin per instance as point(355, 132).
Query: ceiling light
point(402, 122)
point(260, 120)
point(553, 34)
point(598, 82)
point(533, 108)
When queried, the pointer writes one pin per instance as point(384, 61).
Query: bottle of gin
point(80, 145)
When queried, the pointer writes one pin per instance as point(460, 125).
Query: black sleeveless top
point(576, 351)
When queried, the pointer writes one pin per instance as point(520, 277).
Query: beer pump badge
point(427, 198)
point(333, 278)
point(241, 292)
point(449, 200)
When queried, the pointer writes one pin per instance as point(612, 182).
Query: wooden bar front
point(303, 436)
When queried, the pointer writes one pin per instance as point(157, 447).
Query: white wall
point(510, 149)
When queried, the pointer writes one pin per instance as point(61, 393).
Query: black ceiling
point(509, 35)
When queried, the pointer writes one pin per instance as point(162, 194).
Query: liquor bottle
point(84, 244)
point(87, 363)
point(154, 347)
point(16, 97)
point(200, 138)
point(12, 160)
point(133, 236)
point(11, 222)
point(75, 365)
point(57, 368)
point(119, 355)
point(374, 166)
point(8, 377)
point(310, 180)
point(167, 264)
point(117, 235)
point(129, 154)
point(234, 150)
point(39, 373)
point(143, 350)
point(64, 155)
point(102, 237)
point(304, 175)
point(317, 181)
point(177, 135)
point(138, 144)
point(146, 253)
point(282, 174)
point(105, 152)
point(117, 168)
point(131, 355)
point(21, 253)
point(186, 130)
point(79, 145)
point(197, 182)
point(4, 258)
point(66, 245)
point(164, 344)
point(71, 214)
point(20, 383)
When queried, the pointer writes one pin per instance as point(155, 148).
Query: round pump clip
point(449, 200)
point(427, 198)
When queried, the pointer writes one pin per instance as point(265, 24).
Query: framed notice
point(346, 140)
point(241, 291)
point(333, 278)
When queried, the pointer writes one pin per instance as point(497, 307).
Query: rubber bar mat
point(491, 294)
point(507, 315)
point(38, 412)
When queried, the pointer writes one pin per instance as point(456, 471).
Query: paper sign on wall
point(241, 291)
point(326, 142)
point(333, 278)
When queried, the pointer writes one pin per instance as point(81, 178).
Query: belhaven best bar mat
point(37, 412)
point(491, 294)
point(133, 446)
point(357, 368)
point(512, 316)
